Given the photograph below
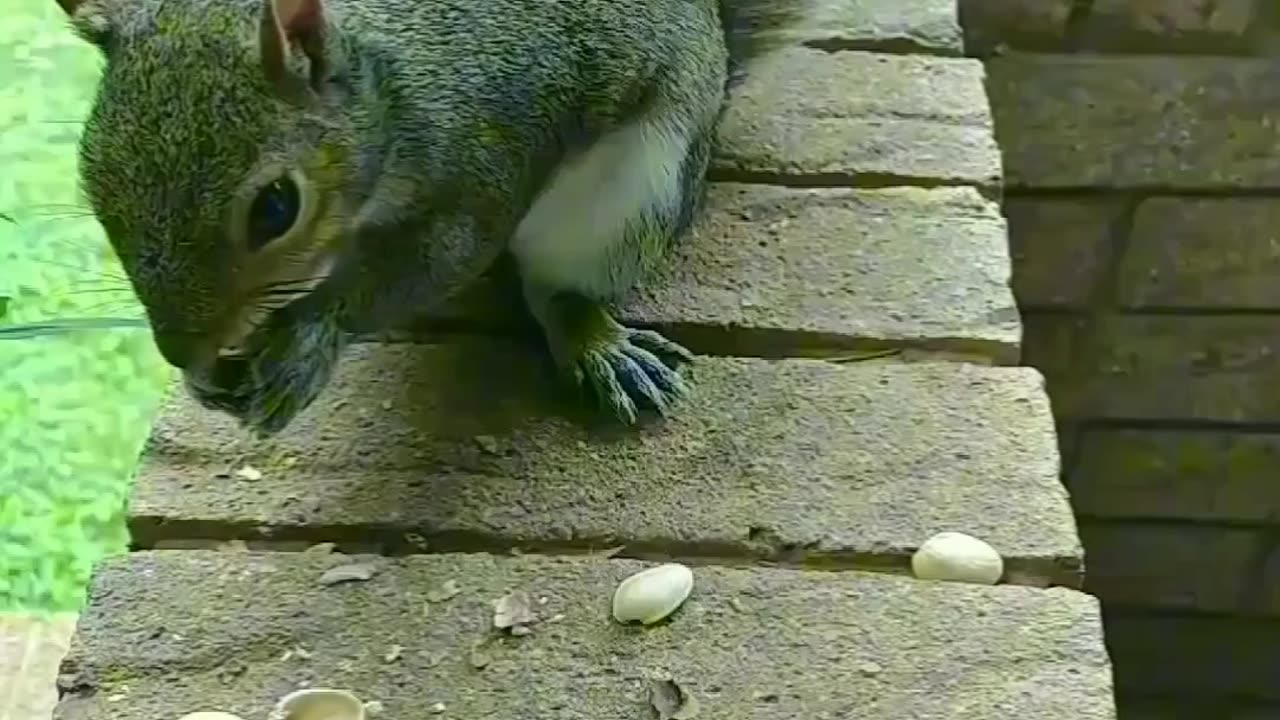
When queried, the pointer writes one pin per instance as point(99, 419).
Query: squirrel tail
point(754, 27)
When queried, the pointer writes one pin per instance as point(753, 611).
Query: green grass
point(75, 406)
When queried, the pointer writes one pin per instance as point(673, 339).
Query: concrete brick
point(1170, 708)
point(773, 271)
point(923, 26)
point(1211, 253)
point(1126, 367)
point(855, 463)
point(821, 645)
point(1194, 656)
point(1024, 24)
point(1061, 248)
point(806, 117)
point(1182, 567)
point(1206, 26)
point(1052, 344)
point(1203, 476)
point(1136, 122)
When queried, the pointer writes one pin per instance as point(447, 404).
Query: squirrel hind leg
point(605, 218)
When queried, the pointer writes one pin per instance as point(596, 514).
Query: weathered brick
point(1192, 656)
point(1161, 367)
point(927, 26)
point(1136, 122)
point(1182, 567)
point(1061, 248)
point(804, 116)
point(1138, 707)
point(1051, 344)
point(1177, 475)
point(1218, 253)
point(859, 462)
point(1210, 26)
point(771, 270)
point(1027, 24)
point(819, 643)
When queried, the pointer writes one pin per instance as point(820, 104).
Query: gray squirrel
point(277, 174)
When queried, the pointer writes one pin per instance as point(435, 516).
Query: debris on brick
point(672, 701)
point(354, 572)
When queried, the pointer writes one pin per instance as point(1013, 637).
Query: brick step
point(805, 116)
point(1119, 26)
point(466, 445)
point(772, 271)
point(767, 644)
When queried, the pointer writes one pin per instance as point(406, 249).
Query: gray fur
point(437, 127)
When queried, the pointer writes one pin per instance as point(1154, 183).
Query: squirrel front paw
point(284, 372)
point(623, 368)
point(631, 369)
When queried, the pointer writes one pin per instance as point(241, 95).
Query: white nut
point(319, 704)
point(651, 595)
point(957, 557)
point(210, 715)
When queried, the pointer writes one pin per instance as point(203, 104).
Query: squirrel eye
point(273, 212)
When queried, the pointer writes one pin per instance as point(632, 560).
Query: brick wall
point(1141, 143)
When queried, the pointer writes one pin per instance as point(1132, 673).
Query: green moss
point(75, 407)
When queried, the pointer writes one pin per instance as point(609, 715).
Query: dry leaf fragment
point(446, 591)
point(479, 656)
point(672, 701)
point(488, 444)
point(513, 611)
point(354, 572)
point(234, 546)
point(249, 472)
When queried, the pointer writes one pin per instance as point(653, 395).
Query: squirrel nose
point(179, 348)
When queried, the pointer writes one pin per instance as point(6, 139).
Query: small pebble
point(447, 590)
point(437, 708)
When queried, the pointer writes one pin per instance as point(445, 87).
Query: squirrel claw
point(636, 370)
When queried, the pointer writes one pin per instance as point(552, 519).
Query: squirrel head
point(215, 157)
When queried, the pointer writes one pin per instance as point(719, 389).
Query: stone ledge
point(808, 117)
point(173, 632)
point(1136, 122)
point(797, 460)
point(922, 26)
point(773, 271)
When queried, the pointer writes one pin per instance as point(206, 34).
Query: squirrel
point(275, 175)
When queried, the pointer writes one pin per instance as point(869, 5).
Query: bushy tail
point(755, 27)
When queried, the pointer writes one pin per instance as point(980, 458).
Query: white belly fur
point(564, 241)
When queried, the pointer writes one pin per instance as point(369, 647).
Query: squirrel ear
point(89, 20)
point(284, 23)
